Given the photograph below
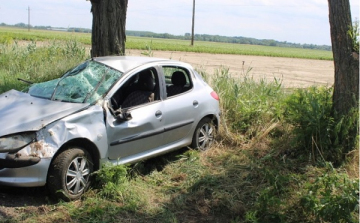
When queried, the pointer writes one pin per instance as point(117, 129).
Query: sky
point(294, 21)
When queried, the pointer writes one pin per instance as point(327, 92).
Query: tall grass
point(37, 64)
point(248, 104)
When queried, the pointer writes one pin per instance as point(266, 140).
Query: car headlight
point(13, 143)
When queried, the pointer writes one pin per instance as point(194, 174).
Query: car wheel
point(69, 174)
point(204, 134)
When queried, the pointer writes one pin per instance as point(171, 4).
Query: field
point(277, 157)
point(8, 34)
point(293, 72)
point(295, 67)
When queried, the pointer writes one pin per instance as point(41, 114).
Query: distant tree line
point(70, 29)
point(187, 36)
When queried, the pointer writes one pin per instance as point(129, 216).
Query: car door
point(180, 108)
point(141, 133)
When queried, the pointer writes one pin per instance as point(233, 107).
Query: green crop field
point(9, 35)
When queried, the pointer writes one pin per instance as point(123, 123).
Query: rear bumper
point(29, 176)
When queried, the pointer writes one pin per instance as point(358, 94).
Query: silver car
point(108, 109)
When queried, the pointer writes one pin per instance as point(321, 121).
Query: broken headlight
point(13, 143)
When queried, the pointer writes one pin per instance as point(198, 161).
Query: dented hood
point(21, 112)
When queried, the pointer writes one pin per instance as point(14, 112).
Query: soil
point(293, 72)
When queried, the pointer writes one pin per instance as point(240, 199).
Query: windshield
point(87, 82)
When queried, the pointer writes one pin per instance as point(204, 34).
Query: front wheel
point(69, 174)
point(204, 134)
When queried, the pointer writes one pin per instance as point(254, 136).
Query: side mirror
point(120, 114)
point(123, 114)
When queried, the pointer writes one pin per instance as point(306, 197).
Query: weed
point(111, 178)
point(318, 132)
point(248, 104)
point(36, 64)
point(333, 197)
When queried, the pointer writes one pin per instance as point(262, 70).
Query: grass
point(37, 64)
point(14, 34)
point(254, 173)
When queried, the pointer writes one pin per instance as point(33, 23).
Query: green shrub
point(333, 197)
point(319, 133)
point(110, 179)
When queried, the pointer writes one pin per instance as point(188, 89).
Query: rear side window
point(177, 80)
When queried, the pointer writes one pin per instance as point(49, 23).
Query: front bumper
point(14, 161)
point(29, 176)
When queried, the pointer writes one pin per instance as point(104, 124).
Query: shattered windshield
point(87, 82)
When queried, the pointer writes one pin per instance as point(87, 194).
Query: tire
point(204, 134)
point(70, 174)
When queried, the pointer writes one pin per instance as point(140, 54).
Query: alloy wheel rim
point(77, 175)
point(206, 136)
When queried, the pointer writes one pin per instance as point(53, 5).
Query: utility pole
point(29, 18)
point(193, 23)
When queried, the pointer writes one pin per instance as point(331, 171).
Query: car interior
point(139, 89)
point(177, 81)
point(143, 87)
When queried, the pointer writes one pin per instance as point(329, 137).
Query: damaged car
point(115, 109)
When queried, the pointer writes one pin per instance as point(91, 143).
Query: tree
point(346, 63)
point(108, 27)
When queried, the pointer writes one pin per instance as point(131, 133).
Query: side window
point(140, 88)
point(177, 80)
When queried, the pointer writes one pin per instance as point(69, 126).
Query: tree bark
point(346, 62)
point(108, 27)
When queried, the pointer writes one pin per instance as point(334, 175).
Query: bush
point(333, 197)
point(110, 179)
point(319, 133)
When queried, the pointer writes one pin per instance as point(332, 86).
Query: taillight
point(215, 96)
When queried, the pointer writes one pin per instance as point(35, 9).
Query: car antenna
point(28, 82)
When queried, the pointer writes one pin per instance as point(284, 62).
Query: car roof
point(126, 63)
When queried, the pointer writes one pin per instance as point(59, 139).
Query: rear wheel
point(70, 173)
point(204, 134)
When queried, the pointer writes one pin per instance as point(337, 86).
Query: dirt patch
point(293, 72)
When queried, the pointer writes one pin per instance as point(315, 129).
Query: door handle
point(158, 114)
point(195, 103)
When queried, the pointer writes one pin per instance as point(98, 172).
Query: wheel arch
point(84, 143)
point(214, 120)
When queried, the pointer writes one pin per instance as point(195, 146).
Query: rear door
point(180, 109)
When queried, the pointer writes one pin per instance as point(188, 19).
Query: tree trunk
point(346, 85)
point(108, 27)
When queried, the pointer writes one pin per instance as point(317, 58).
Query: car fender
point(88, 124)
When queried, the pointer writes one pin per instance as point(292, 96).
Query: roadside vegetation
point(10, 35)
point(276, 158)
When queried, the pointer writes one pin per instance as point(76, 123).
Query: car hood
point(21, 112)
